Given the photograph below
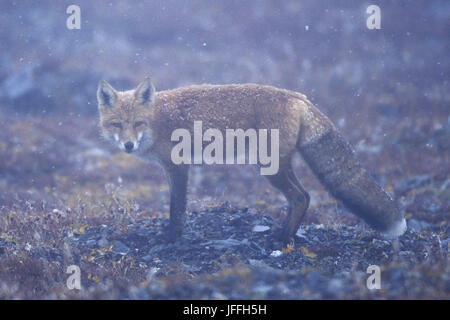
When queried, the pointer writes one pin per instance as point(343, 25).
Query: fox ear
point(145, 92)
point(106, 95)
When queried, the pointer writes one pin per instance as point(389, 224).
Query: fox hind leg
point(298, 199)
point(178, 179)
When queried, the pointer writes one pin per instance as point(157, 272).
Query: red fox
point(142, 121)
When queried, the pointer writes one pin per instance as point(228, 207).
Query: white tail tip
point(396, 230)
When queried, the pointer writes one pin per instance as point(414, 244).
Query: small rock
point(301, 233)
point(406, 254)
point(103, 242)
point(120, 248)
point(91, 243)
point(380, 244)
point(276, 253)
point(260, 228)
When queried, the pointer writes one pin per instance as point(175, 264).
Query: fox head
point(125, 115)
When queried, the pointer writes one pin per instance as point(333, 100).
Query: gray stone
point(120, 248)
point(91, 243)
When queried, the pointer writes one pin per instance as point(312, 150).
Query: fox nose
point(129, 146)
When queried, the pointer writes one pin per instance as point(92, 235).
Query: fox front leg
point(178, 178)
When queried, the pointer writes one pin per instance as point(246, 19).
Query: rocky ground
point(229, 253)
point(70, 201)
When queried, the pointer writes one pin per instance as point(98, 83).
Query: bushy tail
point(333, 161)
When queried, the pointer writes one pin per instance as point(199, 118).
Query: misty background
point(387, 90)
point(320, 48)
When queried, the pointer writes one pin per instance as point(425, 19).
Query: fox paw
point(282, 239)
point(172, 233)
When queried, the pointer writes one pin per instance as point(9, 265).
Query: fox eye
point(139, 123)
point(116, 125)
